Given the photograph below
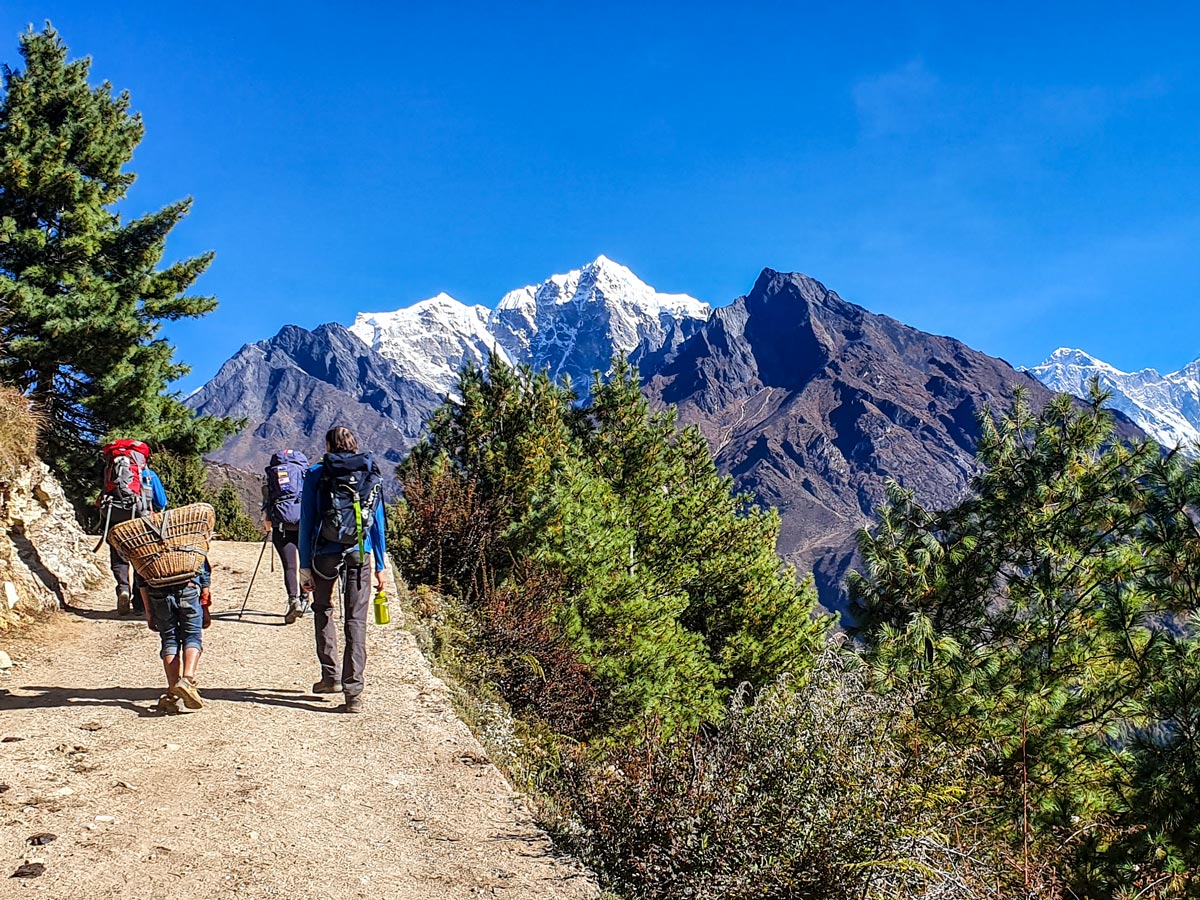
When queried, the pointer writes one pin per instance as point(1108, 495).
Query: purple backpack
point(285, 477)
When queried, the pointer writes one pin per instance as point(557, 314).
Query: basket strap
point(161, 531)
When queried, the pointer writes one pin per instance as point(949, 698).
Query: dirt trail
point(267, 792)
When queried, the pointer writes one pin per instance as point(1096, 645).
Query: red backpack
point(124, 462)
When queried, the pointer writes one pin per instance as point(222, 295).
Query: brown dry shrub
point(18, 431)
point(808, 792)
point(535, 668)
point(443, 531)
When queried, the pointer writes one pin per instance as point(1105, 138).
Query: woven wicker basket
point(168, 547)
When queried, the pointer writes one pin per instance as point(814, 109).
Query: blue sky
point(1019, 176)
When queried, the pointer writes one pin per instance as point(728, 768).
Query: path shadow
point(44, 697)
point(50, 697)
point(28, 554)
point(251, 617)
point(270, 697)
point(100, 615)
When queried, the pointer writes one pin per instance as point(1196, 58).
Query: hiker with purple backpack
point(281, 511)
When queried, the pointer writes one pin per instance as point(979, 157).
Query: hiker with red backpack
point(131, 490)
point(342, 533)
point(282, 489)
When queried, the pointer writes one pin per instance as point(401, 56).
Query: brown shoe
point(185, 689)
point(168, 704)
point(327, 686)
point(353, 705)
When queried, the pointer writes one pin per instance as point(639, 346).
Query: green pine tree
point(665, 583)
point(1039, 615)
point(82, 296)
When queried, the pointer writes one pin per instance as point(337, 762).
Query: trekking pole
point(255, 575)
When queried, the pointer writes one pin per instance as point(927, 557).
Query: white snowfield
point(430, 341)
point(1167, 407)
point(570, 323)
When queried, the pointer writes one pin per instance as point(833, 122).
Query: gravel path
point(267, 792)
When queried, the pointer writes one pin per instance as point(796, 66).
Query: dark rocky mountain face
point(299, 384)
point(810, 402)
point(813, 404)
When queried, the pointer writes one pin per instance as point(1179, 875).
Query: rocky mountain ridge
point(295, 386)
point(811, 403)
point(384, 375)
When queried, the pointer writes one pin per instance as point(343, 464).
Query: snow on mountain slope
point(429, 341)
point(575, 323)
point(572, 324)
point(1167, 407)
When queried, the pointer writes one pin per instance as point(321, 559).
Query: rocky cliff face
point(297, 385)
point(45, 558)
point(813, 404)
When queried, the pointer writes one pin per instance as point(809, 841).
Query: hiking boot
point(293, 611)
point(353, 705)
point(327, 686)
point(122, 603)
point(185, 689)
point(168, 704)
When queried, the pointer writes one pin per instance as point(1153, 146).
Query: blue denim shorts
point(179, 618)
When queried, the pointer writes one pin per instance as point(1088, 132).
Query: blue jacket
point(375, 540)
point(158, 494)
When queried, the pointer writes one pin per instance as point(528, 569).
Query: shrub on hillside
point(18, 431)
point(532, 663)
point(808, 792)
point(232, 522)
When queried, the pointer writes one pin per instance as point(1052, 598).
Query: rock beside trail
point(45, 557)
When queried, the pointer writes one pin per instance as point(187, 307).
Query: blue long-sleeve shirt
point(158, 494)
point(374, 541)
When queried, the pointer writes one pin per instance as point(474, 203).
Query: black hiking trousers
point(287, 546)
point(123, 574)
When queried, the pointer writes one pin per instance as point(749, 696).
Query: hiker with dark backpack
point(281, 509)
point(341, 535)
point(131, 490)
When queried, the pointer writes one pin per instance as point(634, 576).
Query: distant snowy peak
point(572, 324)
point(1167, 407)
point(430, 341)
point(604, 281)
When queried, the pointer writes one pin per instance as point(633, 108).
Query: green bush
point(232, 522)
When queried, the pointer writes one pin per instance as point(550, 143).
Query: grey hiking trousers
point(355, 588)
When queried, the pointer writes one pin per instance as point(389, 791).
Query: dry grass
point(18, 431)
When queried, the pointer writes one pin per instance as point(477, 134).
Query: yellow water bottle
point(382, 616)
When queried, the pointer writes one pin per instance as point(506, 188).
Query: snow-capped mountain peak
point(430, 340)
point(1167, 407)
point(572, 324)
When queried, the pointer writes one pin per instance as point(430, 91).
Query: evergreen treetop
point(82, 296)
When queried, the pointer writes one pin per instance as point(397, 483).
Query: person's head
point(340, 439)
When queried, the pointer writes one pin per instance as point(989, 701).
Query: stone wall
point(46, 560)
